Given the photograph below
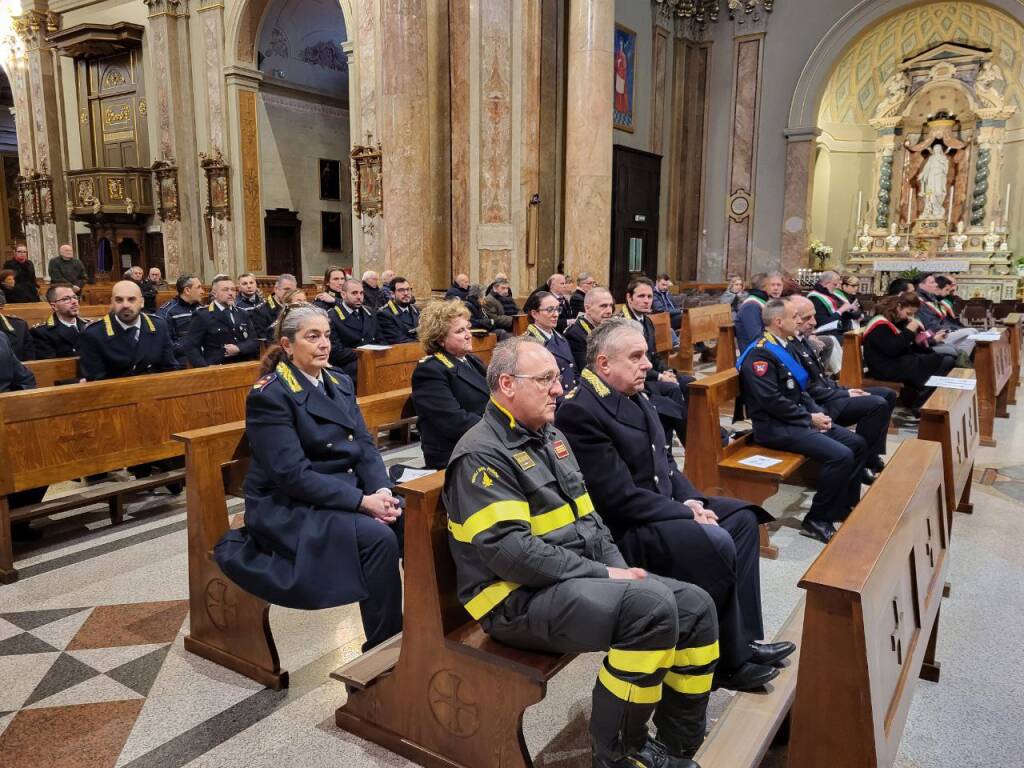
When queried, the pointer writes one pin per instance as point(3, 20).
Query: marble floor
point(93, 671)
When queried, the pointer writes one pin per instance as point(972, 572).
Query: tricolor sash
point(780, 353)
point(877, 322)
point(828, 301)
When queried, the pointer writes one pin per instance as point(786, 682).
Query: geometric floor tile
point(1013, 489)
point(66, 672)
point(59, 633)
point(22, 644)
point(8, 630)
point(21, 674)
point(69, 737)
point(106, 659)
point(109, 626)
point(5, 720)
point(29, 620)
point(1015, 472)
point(140, 674)
point(92, 691)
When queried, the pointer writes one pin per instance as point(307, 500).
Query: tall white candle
point(1006, 207)
point(860, 205)
point(910, 205)
point(949, 215)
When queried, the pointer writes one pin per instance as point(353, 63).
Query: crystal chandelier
point(748, 6)
point(700, 12)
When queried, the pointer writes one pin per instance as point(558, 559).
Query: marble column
point(798, 194)
point(16, 68)
point(242, 85)
point(211, 21)
point(33, 27)
point(176, 138)
point(588, 162)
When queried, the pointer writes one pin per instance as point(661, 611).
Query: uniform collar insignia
point(338, 310)
point(444, 359)
point(7, 324)
point(108, 325)
point(595, 381)
point(288, 377)
point(330, 376)
point(584, 325)
point(534, 331)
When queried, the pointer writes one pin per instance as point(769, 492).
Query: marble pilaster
point(588, 163)
point(798, 193)
point(364, 93)
point(16, 68)
point(242, 85)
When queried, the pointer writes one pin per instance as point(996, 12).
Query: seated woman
point(449, 386)
point(896, 349)
point(734, 295)
point(319, 515)
point(542, 309)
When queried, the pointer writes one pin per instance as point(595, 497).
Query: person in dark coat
point(26, 289)
point(543, 310)
point(19, 337)
point(320, 520)
point(784, 416)
point(265, 315)
point(125, 342)
point(501, 289)
point(373, 293)
point(598, 306)
point(248, 299)
point(478, 319)
point(61, 334)
point(334, 280)
point(830, 307)
point(221, 333)
point(896, 349)
point(352, 325)
point(449, 385)
point(663, 301)
point(458, 288)
point(577, 301)
point(179, 311)
point(399, 318)
point(749, 325)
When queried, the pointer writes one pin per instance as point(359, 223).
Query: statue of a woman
point(932, 183)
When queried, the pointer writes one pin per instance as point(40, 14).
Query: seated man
point(785, 417)
point(538, 569)
point(249, 299)
point(458, 288)
point(221, 333)
point(399, 317)
point(179, 311)
point(352, 325)
point(869, 410)
point(598, 306)
point(265, 315)
point(659, 520)
point(19, 337)
point(663, 301)
point(60, 334)
point(949, 338)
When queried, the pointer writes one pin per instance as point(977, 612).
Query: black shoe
point(23, 531)
point(875, 464)
point(653, 754)
point(771, 653)
point(814, 529)
point(867, 477)
point(749, 677)
point(175, 488)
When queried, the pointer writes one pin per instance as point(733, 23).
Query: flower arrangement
point(820, 252)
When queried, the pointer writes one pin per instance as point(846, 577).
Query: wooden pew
point(662, 333)
point(993, 369)
point(62, 433)
point(715, 469)
point(39, 312)
point(950, 418)
point(1013, 322)
point(519, 323)
point(851, 375)
point(872, 617)
point(705, 324)
point(385, 370)
point(49, 372)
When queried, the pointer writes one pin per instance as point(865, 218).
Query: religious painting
point(625, 78)
point(330, 231)
point(330, 179)
point(367, 197)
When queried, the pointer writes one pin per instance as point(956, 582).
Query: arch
point(804, 107)
point(244, 23)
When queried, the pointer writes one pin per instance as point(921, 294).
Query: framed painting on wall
point(330, 231)
point(625, 78)
point(330, 179)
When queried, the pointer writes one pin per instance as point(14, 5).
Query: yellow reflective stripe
point(561, 516)
point(490, 596)
point(696, 657)
point(634, 694)
point(692, 684)
point(640, 662)
point(492, 514)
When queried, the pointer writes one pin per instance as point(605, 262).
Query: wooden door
point(636, 189)
point(284, 247)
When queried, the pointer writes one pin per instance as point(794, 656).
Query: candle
point(949, 216)
point(860, 205)
point(1006, 207)
point(910, 205)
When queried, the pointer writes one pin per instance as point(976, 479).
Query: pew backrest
point(662, 332)
point(49, 372)
point(385, 370)
point(39, 312)
point(950, 418)
point(705, 322)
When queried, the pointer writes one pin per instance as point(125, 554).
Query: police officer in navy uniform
point(60, 335)
point(248, 299)
point(869, 410)
point(221, 333)
point(449, 385)
point(398, 318)
point(543, 308)
point(352, 325)
point(785, 417)
point(659, 520)
point(598, 306)
point(179, 311)
point(265, 315)
point(333, 292)
point(18, 336)
point(317, 491)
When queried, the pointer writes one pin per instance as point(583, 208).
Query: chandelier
point(748, 6)
point(704, 12)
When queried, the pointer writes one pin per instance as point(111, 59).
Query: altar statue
point(932, 183)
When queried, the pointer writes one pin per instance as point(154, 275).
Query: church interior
point(694, 141)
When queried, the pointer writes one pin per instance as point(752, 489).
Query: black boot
point(653, 754)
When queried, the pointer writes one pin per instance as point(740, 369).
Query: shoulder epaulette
point(264, 381)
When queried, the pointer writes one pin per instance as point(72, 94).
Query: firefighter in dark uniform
point(449, 385)
point(784, 416)
point(179, 311)
point(18, 336)
point(538, 569)
point(317, 490)
point(398, 319)
point(659, 520)
point(60, 335)
point(221, 333)
point(248, 299)
point(869, 410)
point(126, 342)
point(352, 325)
point(265, 315)
point(542, 308)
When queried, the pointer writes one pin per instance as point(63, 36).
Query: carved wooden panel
point(114, 113)
point(250, 150)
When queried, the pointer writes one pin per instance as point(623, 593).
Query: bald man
point(459, 288)
point(126, 342)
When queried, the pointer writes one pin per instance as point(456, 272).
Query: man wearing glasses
point(60, 334)
point(537, 567)
point(397, 320)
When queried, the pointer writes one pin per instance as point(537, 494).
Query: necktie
point(133, 337)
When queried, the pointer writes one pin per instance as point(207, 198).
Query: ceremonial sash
point(877, 322)
point(934, 307)
point(843, 296)
point(828, 301)
point(947, 307)
point(758, 299)
point(782, 355)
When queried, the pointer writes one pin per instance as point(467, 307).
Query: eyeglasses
point(65, 300)
point(547, 310)
point(544, 380)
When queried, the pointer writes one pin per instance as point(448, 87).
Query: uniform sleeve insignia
point(760, 367)
point(561, 449)
point(263, 381)
point(523, 460)
point(572, 393)
point(484, 476)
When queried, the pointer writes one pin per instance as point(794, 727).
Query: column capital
point(32, 28)
point(167, 7)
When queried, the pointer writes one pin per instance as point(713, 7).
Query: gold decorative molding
point(250, 153)
point(32, 27)
point(142, 107)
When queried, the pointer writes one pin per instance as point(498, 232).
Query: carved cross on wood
point(894, 638)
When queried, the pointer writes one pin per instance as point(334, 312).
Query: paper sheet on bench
point(409, 474)
point(947, 382)
point(374, 346)
point(990, 336)
point(833, 326)
point(759, 461)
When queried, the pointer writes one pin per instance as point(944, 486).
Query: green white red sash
point(878, 321)
point(758, 299)
point(828, 301)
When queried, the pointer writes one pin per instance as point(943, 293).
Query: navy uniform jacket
point(106, 351)
point(577, 303)
point(577, 335)
point(14, 376)
point(18, 336)
point(264, 317)
point(347, 333)
point(657, 364)
point(749, 322)
point(312, 462)
point(778, 409)
point(178, 315)
point(249, 303)
point(822, 389)
point(559, 347)
point(54, 339)
point(397, 324)
point(212, 328)
point(449, 396)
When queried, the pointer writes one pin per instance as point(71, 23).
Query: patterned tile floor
point(93, 671)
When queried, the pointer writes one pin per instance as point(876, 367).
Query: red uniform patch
point(561, 451)
point(760, 367)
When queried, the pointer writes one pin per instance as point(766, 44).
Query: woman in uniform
point(542, 309)
point(320, 520)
